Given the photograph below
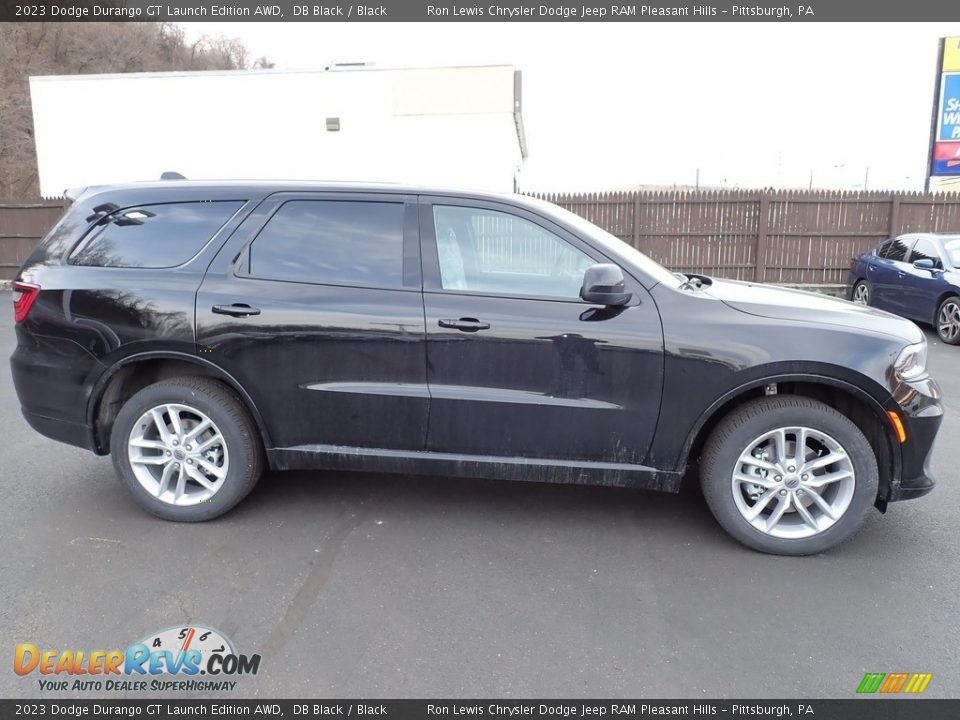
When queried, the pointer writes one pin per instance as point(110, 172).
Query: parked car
point(915, 276)
point(201, 333)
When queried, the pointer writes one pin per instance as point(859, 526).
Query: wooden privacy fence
point(21, 226)
point(765, 236)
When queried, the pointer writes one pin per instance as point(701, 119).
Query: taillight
point(23, 296)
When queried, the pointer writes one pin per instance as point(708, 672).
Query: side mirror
point(603, 284)
point(924, 264)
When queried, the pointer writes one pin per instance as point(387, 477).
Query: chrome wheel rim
point(793, 482)
point(948, 321)
point(861, 294)
point(178, 454)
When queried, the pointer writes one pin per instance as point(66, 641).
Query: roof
point(933, 235)
point(275, 186)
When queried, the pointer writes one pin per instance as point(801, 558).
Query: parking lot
point(385, 586)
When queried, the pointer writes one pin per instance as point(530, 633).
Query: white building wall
point(449, 126)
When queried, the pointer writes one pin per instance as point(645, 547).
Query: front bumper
point(918, 404)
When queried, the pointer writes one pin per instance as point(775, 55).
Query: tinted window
point(332, 242)
point(490, 251)
point(896, 249)
point(925, 250)
point(882, 248)
point(154, 236)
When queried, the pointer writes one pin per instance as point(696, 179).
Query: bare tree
point(81, 48)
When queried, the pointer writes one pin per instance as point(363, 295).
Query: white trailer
point(456, 126)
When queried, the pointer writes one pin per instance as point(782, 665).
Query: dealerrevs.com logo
point(185, 658)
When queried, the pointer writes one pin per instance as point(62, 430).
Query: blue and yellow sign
point(945, 160)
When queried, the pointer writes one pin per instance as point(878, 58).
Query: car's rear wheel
point(789, 475)
point(186, 449)
point(948, 320)
point(861, 293)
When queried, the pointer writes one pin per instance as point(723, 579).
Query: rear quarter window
point(154, 236)
point(895, 249)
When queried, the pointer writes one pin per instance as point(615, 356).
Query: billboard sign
point(945, 153)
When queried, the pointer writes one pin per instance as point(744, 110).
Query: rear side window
point(895, 249)
point(332, 242)
point(154, 236)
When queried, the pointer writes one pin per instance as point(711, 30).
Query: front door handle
point(464, 324)
point(236, 310)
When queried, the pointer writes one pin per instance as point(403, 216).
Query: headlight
point(911, 364)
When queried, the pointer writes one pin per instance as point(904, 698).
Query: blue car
point(916, 276)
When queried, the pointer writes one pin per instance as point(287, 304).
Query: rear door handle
point(236, 310)
point(464, 324)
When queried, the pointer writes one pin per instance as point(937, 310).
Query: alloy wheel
point(178, 454)
point(793, 482)
point(948, 321)
point(861, 294)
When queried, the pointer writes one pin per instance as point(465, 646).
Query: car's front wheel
point(789, 475)
point(186, 449)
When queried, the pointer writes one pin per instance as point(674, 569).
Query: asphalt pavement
point(352, 585)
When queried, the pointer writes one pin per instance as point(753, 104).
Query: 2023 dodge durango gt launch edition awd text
point(201, 333)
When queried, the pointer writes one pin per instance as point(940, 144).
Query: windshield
point(952, 247)
point(608, 241)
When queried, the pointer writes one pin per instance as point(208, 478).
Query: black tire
point(936, 321)
point(226, 410)
point(868, 295)
point(735, 433)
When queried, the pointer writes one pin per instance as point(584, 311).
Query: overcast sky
point(610, 106)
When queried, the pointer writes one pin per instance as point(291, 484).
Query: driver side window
point(926, 250)
point(493, 252)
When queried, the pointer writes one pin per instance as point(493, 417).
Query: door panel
point(533, 377)
point(886, 274)
point(547, 379)
point(325, 364)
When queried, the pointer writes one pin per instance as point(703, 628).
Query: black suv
point(203, 332)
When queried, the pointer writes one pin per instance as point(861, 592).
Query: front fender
point(750, 388)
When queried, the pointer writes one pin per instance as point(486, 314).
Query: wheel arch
point(854, 402)
point(952, 292)
point(135, 372)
